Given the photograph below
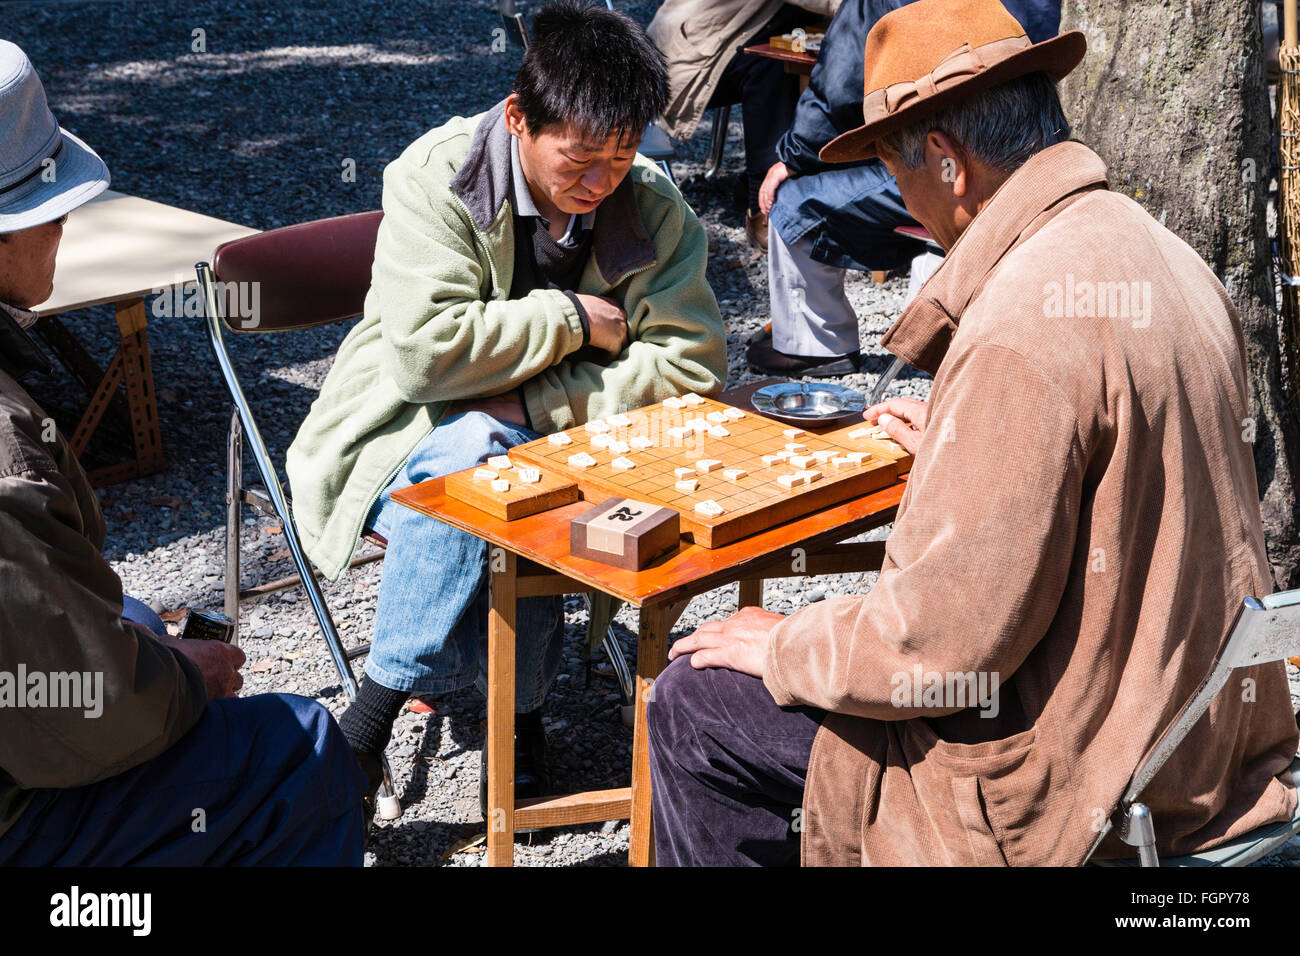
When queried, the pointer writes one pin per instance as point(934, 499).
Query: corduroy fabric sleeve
point(122, 698)
point(444, 337)
point(977, 563)
point(677, 342)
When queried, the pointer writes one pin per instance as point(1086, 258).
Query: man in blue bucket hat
point(118, 744)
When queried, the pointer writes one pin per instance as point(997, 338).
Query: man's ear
point(943, 154)
point(516, 123)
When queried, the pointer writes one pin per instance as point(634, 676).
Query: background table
point(800, 64)
point(117, 249)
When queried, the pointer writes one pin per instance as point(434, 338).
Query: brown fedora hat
point(929, 54)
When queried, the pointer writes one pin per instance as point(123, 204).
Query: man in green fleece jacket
point(531, 273)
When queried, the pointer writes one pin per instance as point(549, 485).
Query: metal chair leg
point(882, 383)
point(266, 468)
point(1140, 831)
point(234, 516)
point(718, 140)
point(601, 609)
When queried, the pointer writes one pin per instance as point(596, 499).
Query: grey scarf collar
point(25, 318)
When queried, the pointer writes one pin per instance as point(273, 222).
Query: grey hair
point(1001, 126)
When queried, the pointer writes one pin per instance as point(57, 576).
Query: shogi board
point(888, 450)
point(752, 504)
point(519, 500)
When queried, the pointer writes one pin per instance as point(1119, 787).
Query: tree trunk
point(1172, 95)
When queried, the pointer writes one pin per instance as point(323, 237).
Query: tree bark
point(1173, 96)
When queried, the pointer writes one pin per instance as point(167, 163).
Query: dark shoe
point(532, 773)
point(373, 768)
point(756, 230)
point(763, 358)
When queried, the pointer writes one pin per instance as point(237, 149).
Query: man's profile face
point(917, 187)
point(27, 264)
point(573, 172)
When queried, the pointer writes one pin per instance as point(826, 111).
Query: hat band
point(40, 168)
point(964, 62)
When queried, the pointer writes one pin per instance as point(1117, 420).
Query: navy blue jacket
point(832, 104)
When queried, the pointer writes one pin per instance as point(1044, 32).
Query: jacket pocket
point(1001, 788)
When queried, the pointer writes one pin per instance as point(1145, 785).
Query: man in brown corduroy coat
point(1079, 528)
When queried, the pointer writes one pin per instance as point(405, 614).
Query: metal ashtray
point(808, 401)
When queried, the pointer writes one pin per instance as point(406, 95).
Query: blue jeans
point(849, 215)
point(265, 780)
point(431, 621)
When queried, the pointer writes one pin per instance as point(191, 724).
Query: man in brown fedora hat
point(1079, 528)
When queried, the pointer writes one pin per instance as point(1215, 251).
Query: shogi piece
point(507, 500)
point(624, 533)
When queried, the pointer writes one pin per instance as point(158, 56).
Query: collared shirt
point(525, 206)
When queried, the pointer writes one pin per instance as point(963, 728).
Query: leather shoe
point(763, 358)
point(532, 773)
point(756, 230)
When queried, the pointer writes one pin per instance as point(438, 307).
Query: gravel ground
point(256, 129)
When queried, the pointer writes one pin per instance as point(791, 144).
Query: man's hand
point(218, 662)
point(738, 643)
point(778, 174)
point(607, 322)
point(903, 418)
point(507, 407)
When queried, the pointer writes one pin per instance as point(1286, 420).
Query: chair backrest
point(1266, 630)
point(297, 277)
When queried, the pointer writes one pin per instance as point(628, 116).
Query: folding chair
point(1265, 630)
point(307, 275)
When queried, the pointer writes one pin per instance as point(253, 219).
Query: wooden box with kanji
point(624, 533)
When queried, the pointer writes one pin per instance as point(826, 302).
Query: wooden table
point(800, 64)
point(808, 546)
point(117, 249)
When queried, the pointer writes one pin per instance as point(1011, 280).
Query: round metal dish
point(808, 403)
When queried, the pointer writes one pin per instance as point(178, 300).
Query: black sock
point(368, 721)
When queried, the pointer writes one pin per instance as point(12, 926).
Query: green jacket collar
point(620, 243)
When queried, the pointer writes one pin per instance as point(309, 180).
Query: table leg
point(129, 367)
point(137, 373)
point(500, 741)
point(651, 658)
point(751, 594)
